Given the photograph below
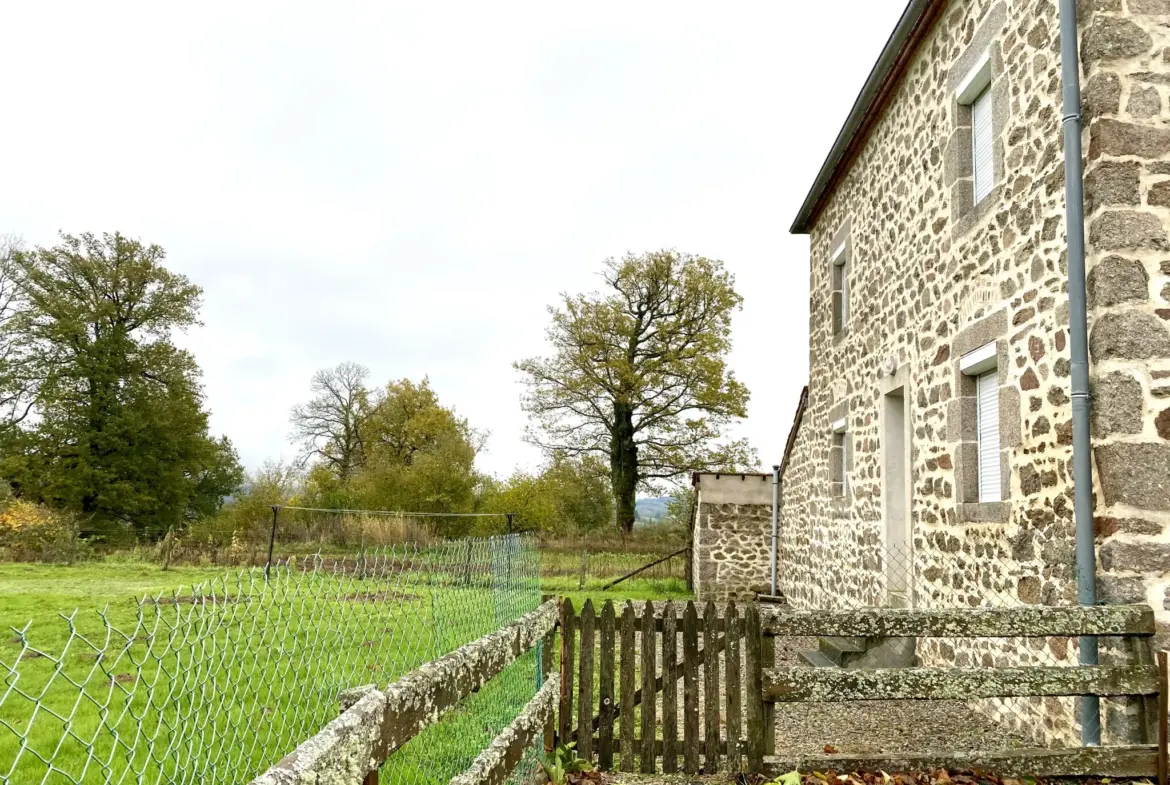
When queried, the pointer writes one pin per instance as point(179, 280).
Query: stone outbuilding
point(732, 535)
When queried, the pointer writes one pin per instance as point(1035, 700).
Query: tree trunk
point(623, 463)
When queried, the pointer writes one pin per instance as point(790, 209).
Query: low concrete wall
point(380, 722)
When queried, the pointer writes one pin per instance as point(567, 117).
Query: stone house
point(937, 431)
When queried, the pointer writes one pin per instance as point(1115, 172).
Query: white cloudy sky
point(408, 184)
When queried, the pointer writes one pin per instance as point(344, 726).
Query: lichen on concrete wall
point(381, 721)
point(494, 764)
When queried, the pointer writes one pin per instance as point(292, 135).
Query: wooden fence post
point(626, 715)
point(567, 617)
point(605, 697)
point(711, 702)
point(669, 690)
point(690, 689)
point(731, 669)
point(1163, 714)
point(754, 688)
point(649, 689)
point(585, 681)
point(584, 568)
point(546, 663)
point(767, 662)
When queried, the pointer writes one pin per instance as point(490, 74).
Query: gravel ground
point(881, 726)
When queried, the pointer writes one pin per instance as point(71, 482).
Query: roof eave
point(911, 28)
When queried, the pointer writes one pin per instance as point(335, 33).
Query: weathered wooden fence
point(620, 675)
point(614, 668)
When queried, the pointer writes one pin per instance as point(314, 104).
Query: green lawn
point(192, 691)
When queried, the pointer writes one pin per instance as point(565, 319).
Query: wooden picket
point(626, 715)
point(649, 691)
point(710, 690)
point(585, 680)
point(731, 679)
point(690, 690)
point(605, 691)
point(753, 688)
point(669, 691)
point(568, 628)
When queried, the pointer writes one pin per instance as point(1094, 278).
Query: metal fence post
point(271, 540)
point(584, 568)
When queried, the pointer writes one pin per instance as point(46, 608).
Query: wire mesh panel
point(218, 683)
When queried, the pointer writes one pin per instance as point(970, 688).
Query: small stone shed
point(732, 535)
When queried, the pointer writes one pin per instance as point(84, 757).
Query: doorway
point(895, 448)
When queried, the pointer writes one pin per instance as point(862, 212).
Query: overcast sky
point(409, 184)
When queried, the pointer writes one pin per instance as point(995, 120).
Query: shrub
point(32, 532)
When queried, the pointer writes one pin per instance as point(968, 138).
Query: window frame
point(839, 286)
point(839, 459)
point(980, 364)
point(976, 88)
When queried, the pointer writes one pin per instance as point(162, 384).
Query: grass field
point(191, 691)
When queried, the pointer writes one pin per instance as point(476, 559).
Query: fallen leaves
point(932, 777)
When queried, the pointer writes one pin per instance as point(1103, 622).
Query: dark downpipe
point(1074, 205)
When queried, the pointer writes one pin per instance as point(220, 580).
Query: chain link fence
point(218, 683)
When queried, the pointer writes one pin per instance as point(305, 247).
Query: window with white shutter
point(839, 460)
point(983, 172)
point(975, 93)
point(840, 282)
point(987, 419)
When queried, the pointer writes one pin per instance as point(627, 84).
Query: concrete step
point(838, 650)
point(816, 659)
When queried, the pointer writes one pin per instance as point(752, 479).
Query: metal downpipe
point(1074, 205)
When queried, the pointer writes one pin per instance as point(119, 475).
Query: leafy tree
point(638, 374)
point(330, 426)
point(567, 496)
point(413, 454)
point(120, 433)
point(680, 509)
point(20, 365)
point(420, 455)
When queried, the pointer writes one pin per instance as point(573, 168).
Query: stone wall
point(934, 276)
point(1125, 50)
point(732, 535)
point(1126, 59)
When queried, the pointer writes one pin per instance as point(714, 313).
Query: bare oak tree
point(330, 426)
point(639, 374)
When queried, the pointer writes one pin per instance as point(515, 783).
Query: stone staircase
point(862, 653)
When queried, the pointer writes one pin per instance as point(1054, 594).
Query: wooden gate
point(621, 673)
point(614, 668)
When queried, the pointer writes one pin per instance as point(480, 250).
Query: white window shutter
point(987, 406)
point(844, 296)
point(981, 145)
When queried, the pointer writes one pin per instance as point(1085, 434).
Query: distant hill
point(651, 510)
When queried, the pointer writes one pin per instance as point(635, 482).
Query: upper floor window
point(981, 145)
point(839, 266)
point(975, 92)
point(982, 365)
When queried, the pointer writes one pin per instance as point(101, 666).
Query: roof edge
point(911, 28)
